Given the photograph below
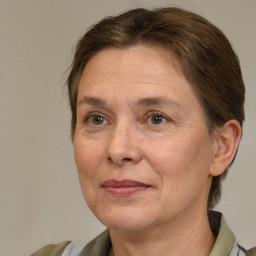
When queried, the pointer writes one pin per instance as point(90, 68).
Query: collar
point(225, 242)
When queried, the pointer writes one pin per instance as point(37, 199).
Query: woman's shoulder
point(251, 252)
point(99, 246)
point(226, 243)
point(52, 249)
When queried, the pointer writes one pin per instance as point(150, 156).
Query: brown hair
point(206, 56)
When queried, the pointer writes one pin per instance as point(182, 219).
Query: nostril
point(126, 159)
point(118, 162)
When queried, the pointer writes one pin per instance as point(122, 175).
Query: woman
point(157, 110)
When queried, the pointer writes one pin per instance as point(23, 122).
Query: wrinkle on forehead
point(151, 54)
point(135, 68)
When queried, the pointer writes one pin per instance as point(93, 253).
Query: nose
point(123, 146)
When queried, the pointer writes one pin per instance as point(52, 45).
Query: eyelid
point(148, 114)
point(148, 121)
point(154, 112)
point(91, 114)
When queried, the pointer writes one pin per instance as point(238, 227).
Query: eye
point(157, 119)
point(95, 119)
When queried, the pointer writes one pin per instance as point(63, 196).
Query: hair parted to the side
point(205, 55)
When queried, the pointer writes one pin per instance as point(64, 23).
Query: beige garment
point(225, 244)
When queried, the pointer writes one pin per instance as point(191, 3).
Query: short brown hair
point(205, 54)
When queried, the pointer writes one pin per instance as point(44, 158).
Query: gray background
point(40, 198)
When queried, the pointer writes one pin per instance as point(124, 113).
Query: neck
point(192, 237)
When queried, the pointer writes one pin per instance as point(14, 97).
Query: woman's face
point(142, 147)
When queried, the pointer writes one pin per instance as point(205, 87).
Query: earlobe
point(227, 140)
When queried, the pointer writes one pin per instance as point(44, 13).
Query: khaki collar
point(225, 237)
point(223, 246)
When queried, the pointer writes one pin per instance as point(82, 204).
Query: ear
point(227, 140)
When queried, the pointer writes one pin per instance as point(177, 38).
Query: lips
point(124, 188)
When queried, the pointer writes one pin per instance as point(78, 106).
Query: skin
point(139, 119)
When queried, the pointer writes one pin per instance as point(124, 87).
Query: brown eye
point(95, 119)
point(157, 119)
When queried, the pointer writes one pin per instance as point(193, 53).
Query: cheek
point(88, 157)
point(168, 156)
point(182, 164)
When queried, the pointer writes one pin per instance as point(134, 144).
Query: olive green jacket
point(225, 244)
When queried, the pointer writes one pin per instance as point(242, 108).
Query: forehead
point(136, 70)
point(140, 60)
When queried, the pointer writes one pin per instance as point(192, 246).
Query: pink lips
point(123, 188)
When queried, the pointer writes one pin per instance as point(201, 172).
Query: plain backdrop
point(40, 198)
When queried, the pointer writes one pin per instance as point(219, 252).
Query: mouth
point(124, 188)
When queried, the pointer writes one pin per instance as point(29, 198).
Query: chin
point(127, 219)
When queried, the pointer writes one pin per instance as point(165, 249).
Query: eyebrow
point(149, 101)
point(153, 101)
point(94, 101)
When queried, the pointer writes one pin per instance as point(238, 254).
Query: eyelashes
point(154, 118)
point(157, 118)
point(95, 118)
